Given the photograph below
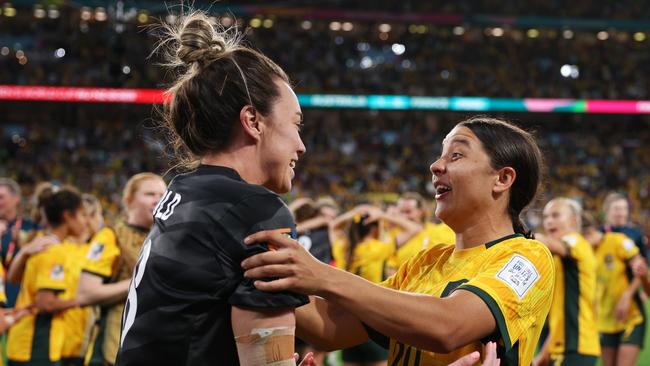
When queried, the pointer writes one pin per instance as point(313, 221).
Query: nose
point(301, 147)
point(437, 167)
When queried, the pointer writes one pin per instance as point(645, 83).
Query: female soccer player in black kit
point(234, 113)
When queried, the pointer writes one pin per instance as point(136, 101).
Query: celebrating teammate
point(495, 283)
point(573, 333)
point(233, 111)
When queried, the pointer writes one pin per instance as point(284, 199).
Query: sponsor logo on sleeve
point(628, 244)
point(96, 251)
point(520, 274)
point(57, 272)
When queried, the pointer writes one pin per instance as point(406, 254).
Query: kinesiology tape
point(267, 346)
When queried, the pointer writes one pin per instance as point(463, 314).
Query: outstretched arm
point(93, 291)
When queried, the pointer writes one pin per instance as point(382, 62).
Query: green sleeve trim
point(96, 274)
point(494, 309)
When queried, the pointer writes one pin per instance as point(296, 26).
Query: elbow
point(45, 307)
point(82, 299)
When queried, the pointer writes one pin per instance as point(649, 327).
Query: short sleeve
point(258, 213)
point(51, 271)
point(3, 295)
point(102, 255)
point(516, 284)
point(626, 249)
point(576, 246)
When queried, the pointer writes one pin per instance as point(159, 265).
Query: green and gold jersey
point(369, 259)
point(513, 276)
point(40, 336)
point(612, 254)
point(572, 320)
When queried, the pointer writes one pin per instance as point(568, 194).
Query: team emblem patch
point(57, 273)
point(628, 244)
point(520, 274)
point(96, 251)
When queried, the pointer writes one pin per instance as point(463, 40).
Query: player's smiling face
point(463, 179)
point(617, 213)
point(281, 145)
point(559, 219)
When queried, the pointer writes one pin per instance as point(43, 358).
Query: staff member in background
point(616, 209)
point(14, 230)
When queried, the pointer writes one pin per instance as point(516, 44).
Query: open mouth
point(441, 190)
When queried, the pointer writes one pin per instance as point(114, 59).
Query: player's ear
point(250, 119)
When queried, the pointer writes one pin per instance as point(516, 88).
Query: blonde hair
point(134, 183)
point(575, 208)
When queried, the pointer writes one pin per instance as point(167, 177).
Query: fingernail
point(247, 240)
point(476, 355)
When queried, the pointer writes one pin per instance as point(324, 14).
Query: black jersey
point(189, 273)
point(317, 242)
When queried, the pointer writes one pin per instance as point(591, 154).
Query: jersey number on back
point(132, 300)
point(166, 206)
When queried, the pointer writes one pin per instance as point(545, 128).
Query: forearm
point(328, 326)
point(53, 304)
point(633, 287)
point(556, 246)
point(398, 314)
point(102, 294)
point(311, 224)
point(17, 267)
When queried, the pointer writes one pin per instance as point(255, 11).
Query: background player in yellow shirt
point(493, 284)
point(621, 315)
point(106, 272)
point(37, 339)
point(573, 338)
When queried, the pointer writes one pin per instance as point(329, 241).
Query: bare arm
point(252, 352)
point(93, 291)
point(17, 267)
point(48, 302)
point(311, 224)
point(452, 322)
point(556, 246)
point(328, 326)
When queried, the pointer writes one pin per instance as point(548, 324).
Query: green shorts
point(634, 337)
point(365, 352)
point(573, 359)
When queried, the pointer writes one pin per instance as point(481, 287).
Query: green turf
point(644, 357)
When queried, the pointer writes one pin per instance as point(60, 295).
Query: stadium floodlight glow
point(497, 32)
point(532, 33)
point(445, 74)
point(602, 35)
point(53, 12)
point(126, 70)
point(570, 71)
point(39, 12)
point(86, 14)
point(227, 21)
point(406, 64)
point(347, 26)
point(458, 30)
point(398, 48)
point(255, 22)
point(335, 26)
point(20, 54)
point(4, 51)
point(22, 60)
point(384, 28)
point(100, 14)
point(9, 10)
point(567, 34)
point(143, 17)
point(639, 36)
point(59, 53)
point(366, 62)
point(306, 25)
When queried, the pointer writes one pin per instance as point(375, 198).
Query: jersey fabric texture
point(514, 277)
point(189, 273)
point(613, 253)
point(572, 321)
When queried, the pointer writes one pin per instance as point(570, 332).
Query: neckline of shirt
point(479, 248)
point(218, 169)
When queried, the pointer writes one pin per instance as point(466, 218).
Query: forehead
point(556, 206)
point(461, 135)
point(287, 102)
point(5, 190)
point(619, 203)
point(151, 185)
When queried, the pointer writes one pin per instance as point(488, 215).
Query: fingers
point(270, 271)
point(308, 360)
point(282, 284)
point(467, 360)
point(266, 258)
point(490, 358)
point(278, 239)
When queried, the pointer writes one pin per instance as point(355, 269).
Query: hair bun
point(199, 42)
